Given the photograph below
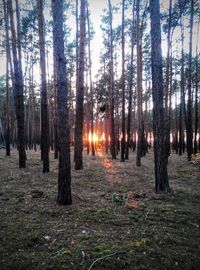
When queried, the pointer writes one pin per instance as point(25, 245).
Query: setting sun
point(93, 138)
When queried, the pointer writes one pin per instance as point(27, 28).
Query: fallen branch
point(104, 257)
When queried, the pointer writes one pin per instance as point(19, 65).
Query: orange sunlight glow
point(93, 138)
point(103, 137)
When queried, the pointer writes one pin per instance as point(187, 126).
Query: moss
point(34, 238)
point(138, 243)
point(134, 217)
point(100, 215)
point(99, 247)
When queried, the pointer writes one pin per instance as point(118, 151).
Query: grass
point(145, 231)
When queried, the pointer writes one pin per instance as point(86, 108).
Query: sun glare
point(93, 138)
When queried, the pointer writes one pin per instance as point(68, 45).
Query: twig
point(54, 253)
point(104, 257)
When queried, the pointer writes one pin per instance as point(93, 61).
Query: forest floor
point(115, 222)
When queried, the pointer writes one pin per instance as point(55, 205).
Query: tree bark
point(139, 89)
point(44, 102)
point(129, 118)
point(123, 89)
point(182, 112)
point(111, 87)
point(91, 86)
point(196, 96)
point(55, 101)
point(189, 104)
point(80, 95)
point(160, 162)
point(8, 61)
point(18, 90)
point(64, 172)
point(167, 82)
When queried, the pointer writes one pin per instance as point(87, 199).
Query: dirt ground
point(116, 221)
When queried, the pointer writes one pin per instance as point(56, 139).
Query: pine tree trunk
point(8, 61)
point(129, 119)
point(182, 113)
point(160, 161)
point(123, 89)
point(44, 102)
point(91, 86)
point(167, 124)
point(18, 89)
point(7, 110)
point(55, 102)
point(64, 171)
point(189, 104)
point(87, 118)
point(80, 95)
point(196, 97)
point(139, 89)
point(112, 120)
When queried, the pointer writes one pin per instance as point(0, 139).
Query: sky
point(96, 8)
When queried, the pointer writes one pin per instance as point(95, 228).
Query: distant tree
point(130, 84)
point(167, 82)
point(160, 161)
point(123, 89)
point(182, 111)
point(91, 103)
point(44, 102)
point(196, 95)
point(77, 53)
point(189, 127)
point(55, 100)
point(18, 86)
point(139, 86)
point(8, 63)
point(111, 85)
point(80, 95)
